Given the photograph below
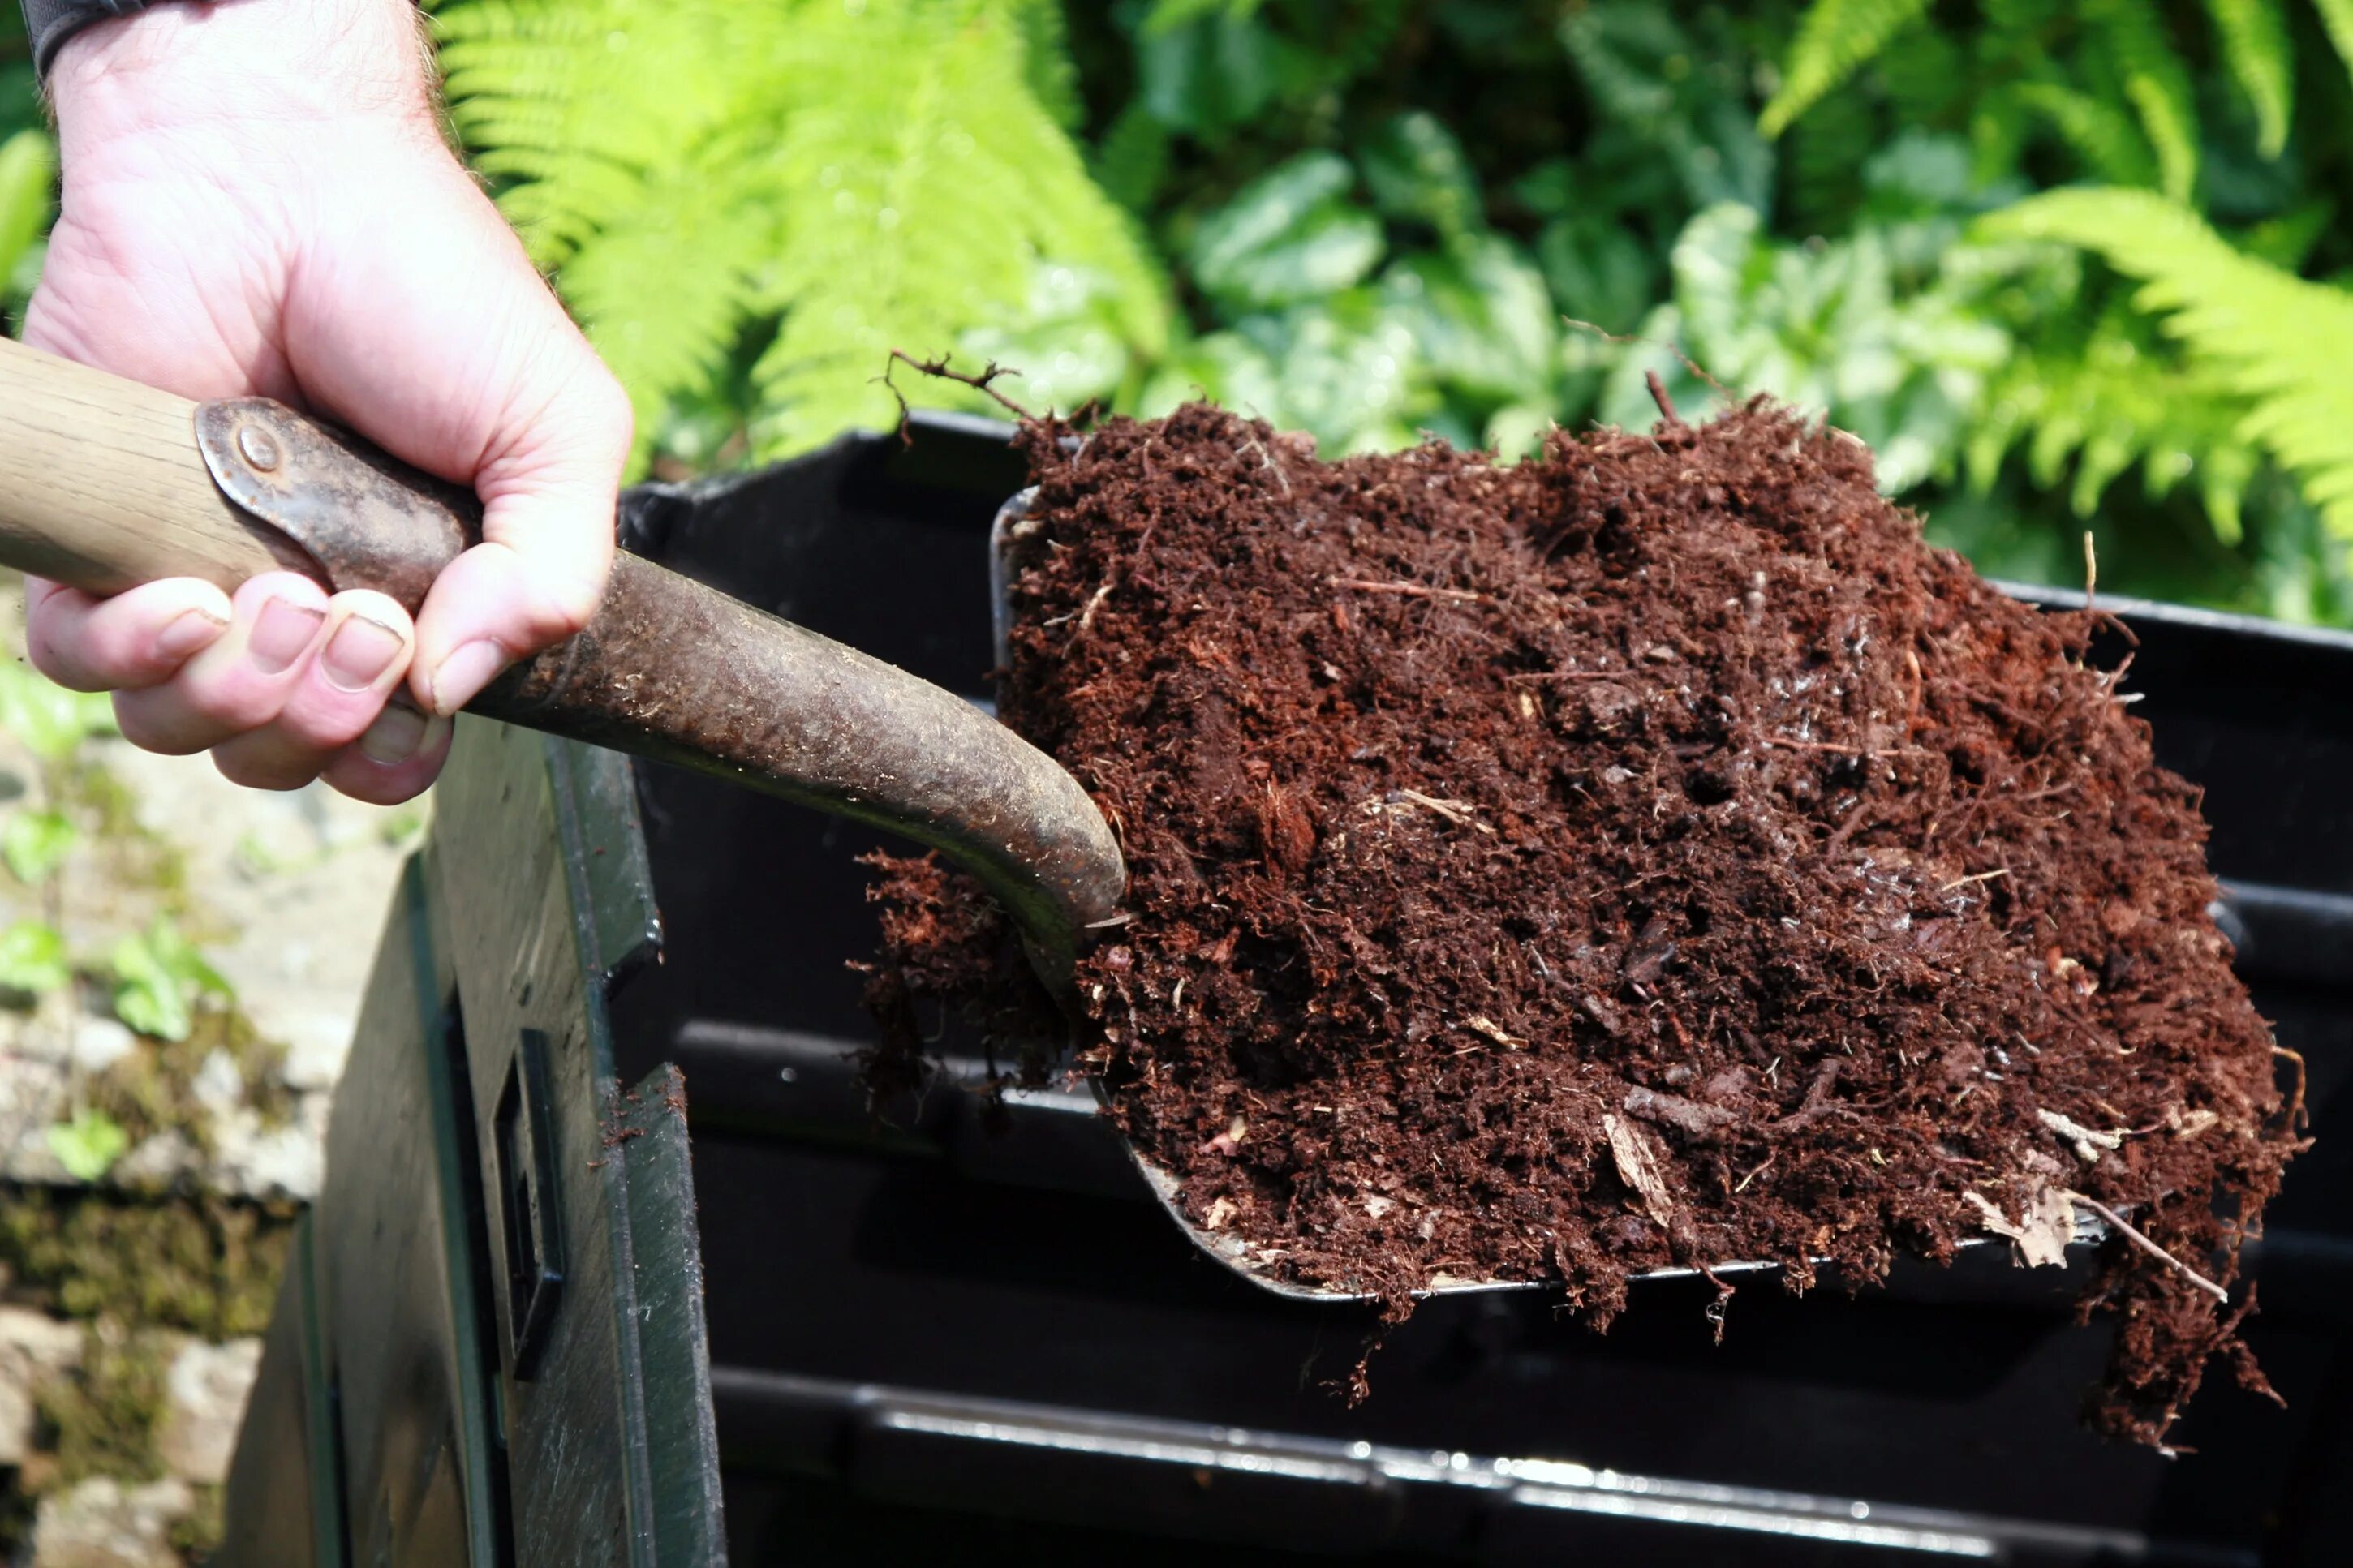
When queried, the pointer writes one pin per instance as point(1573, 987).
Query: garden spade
point(106, 484)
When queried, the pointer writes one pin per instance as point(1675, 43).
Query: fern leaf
point(666, 340)
point(578, 100)
point(2098, 133)
point(2255, 43)
point(945, 193)
point(2102, 401)
point(2336, 17)
point(893, 173)
point(1835, 39)
point(2277, 340)
point(2156, 84)
point(1046, 58)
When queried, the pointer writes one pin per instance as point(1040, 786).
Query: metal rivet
point(258, 447)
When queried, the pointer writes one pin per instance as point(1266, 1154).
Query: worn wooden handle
point(105, 484)
point(101, 487)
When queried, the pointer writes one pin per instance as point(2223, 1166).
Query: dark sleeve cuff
point(50, 22)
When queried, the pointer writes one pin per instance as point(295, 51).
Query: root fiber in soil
point(1650, 854)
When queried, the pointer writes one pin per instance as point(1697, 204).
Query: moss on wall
point(203, 1264)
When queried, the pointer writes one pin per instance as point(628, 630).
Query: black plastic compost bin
point(929, 1341)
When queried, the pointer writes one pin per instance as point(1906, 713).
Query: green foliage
point(1833, 42)
point(28, 170)
point(201, 1265)
point(33, 959)
point(157, 977)
point(2255, 44)
point(49, 720)
point(785, 192)
point(35, 843)
point(88, 1145)
point(1373, 220)
point(2278, 342)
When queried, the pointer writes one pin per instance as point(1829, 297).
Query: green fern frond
point(2104, 400)
point(1046, 62)
point(2336, 17)
point(575, 101)
point(666, 340)
point(942, 195)
point(2278, 342)
point(2255, 43)
point(2155, 82)
point(888, 174)
point(1835, 39)
point(2098, 133)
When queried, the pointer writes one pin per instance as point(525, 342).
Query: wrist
point(179, 67)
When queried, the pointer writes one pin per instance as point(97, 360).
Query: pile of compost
point(1652, 854)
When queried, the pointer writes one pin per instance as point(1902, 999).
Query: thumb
point(548, 482)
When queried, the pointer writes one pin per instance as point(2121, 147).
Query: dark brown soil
point(1652, 854)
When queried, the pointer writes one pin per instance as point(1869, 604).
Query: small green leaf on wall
point(88, 1145)
point(35, 843)
point(47, 720)
point(33, 958)
point(157, 977)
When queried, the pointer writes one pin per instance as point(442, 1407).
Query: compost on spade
point(1651, 853)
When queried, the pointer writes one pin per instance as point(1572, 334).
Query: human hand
point(257, 199)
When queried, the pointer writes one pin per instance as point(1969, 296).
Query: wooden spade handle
point(105, 484)
point(100, 485)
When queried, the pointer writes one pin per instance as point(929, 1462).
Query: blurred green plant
point(35, 843)
point(49, 720)
point(158, 975)
point(1373, 219)
point(88, 1145)
point(759, 202)
point(33, 959)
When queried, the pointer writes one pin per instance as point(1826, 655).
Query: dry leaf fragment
point(1221, 1213)
point(2086, 1141)
point(2192, 1123)
point(1496, 1032)
point(1638, 1167)
point(2044, 1231)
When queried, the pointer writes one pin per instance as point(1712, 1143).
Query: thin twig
point(1980, 877)
point(1635, 340)
point(1537, 677)
point(1659, 395)
point(938, 368)
point(1840, 748)
point(2295, 1107)
point(2146, 1245)
point(1411, 590)
point(1451, 810)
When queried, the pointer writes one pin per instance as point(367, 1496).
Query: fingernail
point(188, 633)
point(280, 633)
point(464, 673)
point(359, 653)
point(398, 733)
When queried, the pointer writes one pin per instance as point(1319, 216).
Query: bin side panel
point(394, 1280)
point(536, 934)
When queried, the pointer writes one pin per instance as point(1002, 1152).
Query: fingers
point(361, 655)
point(131, 642)
point(395, 759)
point(241, 681)
point(294, 680)
point(548, 525)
